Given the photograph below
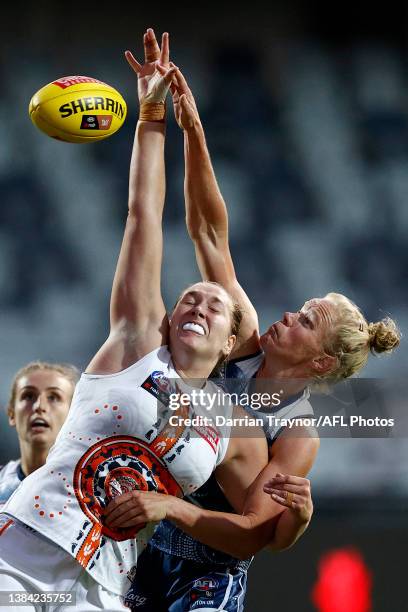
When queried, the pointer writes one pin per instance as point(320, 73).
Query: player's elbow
point(257, 538)
point(276, 546)
point(280, 542)
point(251, 548)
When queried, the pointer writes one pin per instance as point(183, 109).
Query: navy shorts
point(167, 583)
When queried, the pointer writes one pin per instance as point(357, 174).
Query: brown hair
point(354, 338)
point(68, 371)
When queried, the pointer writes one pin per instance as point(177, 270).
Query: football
point(78, 109)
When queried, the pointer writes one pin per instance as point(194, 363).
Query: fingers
point(152, 51)
point(299, 489)
point(178, 82)
point(181, 81)
point(128, 519)
point(133, 63)
point(165, 53)
point(289, 500)
point(133, 523)
point(290, 491)
point(291, 479)
point(151, 47)
point(287, 490)
point(161, 69)
point(169, 74)
point(167, 71)
point(281, 479)
point(185, 103)
point(115, 512)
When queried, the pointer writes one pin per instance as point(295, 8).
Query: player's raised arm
point(138, 321)
point(206, 213)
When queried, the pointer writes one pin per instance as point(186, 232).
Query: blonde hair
point(68, 371)
point(354, 338)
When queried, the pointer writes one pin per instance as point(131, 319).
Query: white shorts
point(31, 563)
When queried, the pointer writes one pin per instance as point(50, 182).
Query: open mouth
point(39, 425)
point(194, 327)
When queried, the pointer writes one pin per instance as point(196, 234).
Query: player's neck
point(286, 382)
point(32, 458)
point(197, 369)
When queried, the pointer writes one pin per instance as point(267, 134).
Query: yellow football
point(78, 109)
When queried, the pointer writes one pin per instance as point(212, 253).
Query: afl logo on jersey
point(115, 466)
point(161, 381)
point(203, 591)
point(205, 584)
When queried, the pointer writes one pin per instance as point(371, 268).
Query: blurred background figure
point(39, 401)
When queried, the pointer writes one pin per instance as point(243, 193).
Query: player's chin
point(43, 433)
point(271, 346)
point(192, 339)
point(265, 340)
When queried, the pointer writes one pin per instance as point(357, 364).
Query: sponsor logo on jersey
point(135, 600)
point(161, 381)
point(159, 387)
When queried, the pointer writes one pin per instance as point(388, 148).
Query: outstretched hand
point(185, 108)
point(153, 84)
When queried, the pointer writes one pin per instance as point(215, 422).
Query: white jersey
point(243, 370)
point(11, 475)
point(117, 437)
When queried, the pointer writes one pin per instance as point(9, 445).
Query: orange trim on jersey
point(90, 545)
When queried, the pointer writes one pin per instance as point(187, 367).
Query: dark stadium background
point(306, 112)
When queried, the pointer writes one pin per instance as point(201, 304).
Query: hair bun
point(384, 336)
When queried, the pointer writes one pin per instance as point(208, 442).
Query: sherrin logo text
point(91, 103)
